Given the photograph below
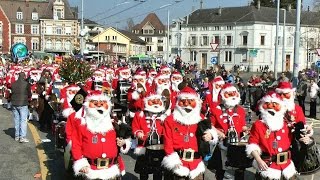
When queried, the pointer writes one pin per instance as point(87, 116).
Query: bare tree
point(130, 24)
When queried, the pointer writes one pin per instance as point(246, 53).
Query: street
point(40, 157)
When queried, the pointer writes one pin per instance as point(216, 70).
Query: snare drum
point(237, 157)
point(154, 155)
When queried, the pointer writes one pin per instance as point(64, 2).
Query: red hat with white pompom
point(188, 93)
point(285, 87)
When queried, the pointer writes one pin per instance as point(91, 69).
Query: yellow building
point(119, 43)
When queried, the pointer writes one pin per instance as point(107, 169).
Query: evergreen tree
point(273, 3)
point(75, 70)
point(264, 3)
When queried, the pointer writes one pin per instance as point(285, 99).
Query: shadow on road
point(9, 132)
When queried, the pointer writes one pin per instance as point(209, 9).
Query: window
point(68, 45)
point(19, 15)
point(229, 27)
point(160, 31)
point(49, 44)
point(49, 30)
point(193, 40)
point(114, 38)
point(193, 55)
point(193, 28)
point(58, 13)
point(262, 40)
point(245, 40)
point(216, 28)
point(68, 30)
point(148, 39)
point(58, 45)
point(228, 56)
point(160, 40)
point(205, 41)
point(59, 30)
point(205, 28)
point(35, 45)
point(289, 42)
point(229, 40)
point(244, 56)
point(34, 29)
point(136, 31)
point(145, 31)
point(149, 48)
point(216, 39)
point(160, 48)
point(19, 29)
point(34, 16)
point(107, 38)
point(150, 31)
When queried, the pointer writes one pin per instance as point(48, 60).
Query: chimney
point(289, 7)
point(219, 11)
point(258, 5)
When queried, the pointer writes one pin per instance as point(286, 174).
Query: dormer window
point(34, 16)
point(160, 31)
point(59, 14)
point(19, 15)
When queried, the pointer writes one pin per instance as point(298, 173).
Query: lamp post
point(296, 61)
point(284, 39)
point(168, 35)
point(276, 52)
point(81, 31)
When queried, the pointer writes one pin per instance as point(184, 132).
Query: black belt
point(280, 157)
point(94, 162)
point(195, 154)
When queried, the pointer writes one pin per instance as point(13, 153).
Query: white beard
point(162, 87)
point(193, 117)
point(98, 79)
point(215, 94)
point(275, 122)
point(96, 122)
point(109, 77)
point(289, 103)
point(154, 109)
point(124, 77)
point(231, 102)
point(175, 85)
point(34, 78)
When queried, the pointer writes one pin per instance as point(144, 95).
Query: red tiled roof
point(153, 19)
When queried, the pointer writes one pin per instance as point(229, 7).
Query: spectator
point(283, 78)
point(313, 89)
point(302, 92)
point(21, 92)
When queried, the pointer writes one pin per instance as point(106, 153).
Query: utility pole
point(296, 61)
point(284, 39)
point(201, 4)
point(276, 52)
point(81, 31)
point(168, 35)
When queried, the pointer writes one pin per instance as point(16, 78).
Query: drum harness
point(154, 137)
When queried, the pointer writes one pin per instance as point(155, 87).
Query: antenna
point(201, 4)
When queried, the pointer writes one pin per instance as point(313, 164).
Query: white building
point(245, 35)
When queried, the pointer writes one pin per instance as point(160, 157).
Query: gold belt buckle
point(102, 163)
point(282, 158)
point(188, 155)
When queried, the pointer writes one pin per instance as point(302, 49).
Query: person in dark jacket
point(20, 94)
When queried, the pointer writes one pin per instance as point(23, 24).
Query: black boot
point(144, 176)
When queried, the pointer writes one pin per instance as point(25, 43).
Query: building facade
point(118, 44)
point(245, 35)
point(37, 24)
point(153, 32)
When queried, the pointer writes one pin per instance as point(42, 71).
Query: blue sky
point(107, 12)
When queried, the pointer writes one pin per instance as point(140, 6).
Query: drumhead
point(156, 147)
point(239, 144)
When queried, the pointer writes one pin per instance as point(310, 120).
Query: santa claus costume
point(150, 76)
point(270, 140)
point(211, 99)
point(97, 82)
point(165, 70)
point(176, 79)
point(228, 117)
point(95, 144)
point(182, 158)
point(147, 127)
point(123, 74)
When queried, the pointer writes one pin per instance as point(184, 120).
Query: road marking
point(43, 158)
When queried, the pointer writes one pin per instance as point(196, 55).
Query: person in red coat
point(211, 99)
point(270, 140)
point(227, 117)
point(95, 144)
point(97, 82)
point(122, 74)
point(176, 79)
point(147, 127)
point(66, 95)
point(182, 158)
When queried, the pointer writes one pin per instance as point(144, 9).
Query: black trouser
point(156, 176)
point(313, 108)
point(46, 116)
point(301, 101)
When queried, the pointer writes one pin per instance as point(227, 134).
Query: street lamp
point(284, 38)
point(297, 45)
point(82, 33)
point(276, 42)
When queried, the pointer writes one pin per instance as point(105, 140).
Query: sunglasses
point(271, 105)
point(219, 86)
point(230, 94)
point(285, 95)
point(187, 102)
point(154, 102)
point(97, 103)
point(176, 78)
point(141, 80)
point(162, 81)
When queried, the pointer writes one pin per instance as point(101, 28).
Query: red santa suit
point(176, 79)
point(95, 139)
point(211, 99)
point(98, 81)
point(165, 70)
point(123, 74)
point(66, 95)
point(270, 136)
point(180, 136)
point(150, 76)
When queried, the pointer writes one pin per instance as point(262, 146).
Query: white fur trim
point(135, 95)
point(214, 135)
point(163, 117)
point(252, 147)
point(269, 173)
point(181, 171)
point(189, 96)
point(286, 90)
point(123, 173)
point(79, 164)
point(141, 114)
point(66, 112)
point(138, 76)
point(139, 150)
point(171, 161)
point(199, 170)
point(131, 114)
point(101, 97)
point(62, 100)
point(109, 173)
point(289, 171)
point(128, 146)
point(228, 89)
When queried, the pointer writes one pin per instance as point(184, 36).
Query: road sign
point(214, 46)
point(214, 60)
point(253, 52)
point(318, 63)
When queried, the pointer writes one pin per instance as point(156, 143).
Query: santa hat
point(165, 68)
point(98, 71)
point(161, 76)
point(122, 69)
point(139, 74)
point(188, 93)
point(176, 74)
point(285, 87)
point(152, 71)
point(218, 80)
point(227, 88)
